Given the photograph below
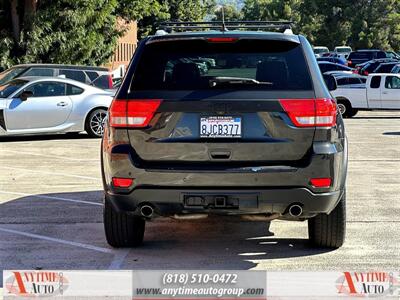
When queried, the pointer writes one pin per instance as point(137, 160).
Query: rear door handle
point(220, 154)
point(62, 103)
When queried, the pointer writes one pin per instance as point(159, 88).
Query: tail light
point(222, 40)
point(349, 62)
point(319, 112)
point(122, 182)
point(132, 113)
point(110, 82)
point(321, 182)
point(366, 73)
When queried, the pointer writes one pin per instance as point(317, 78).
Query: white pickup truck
point(381, 91)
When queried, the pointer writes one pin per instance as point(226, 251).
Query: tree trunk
point(30, 10)
point(15, 20)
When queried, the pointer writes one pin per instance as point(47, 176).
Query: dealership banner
point(195, 284)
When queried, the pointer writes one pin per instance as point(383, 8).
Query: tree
point(363, 24)
point(272, 10)
point(231, 13)
point(64, 31)
point(175, 10)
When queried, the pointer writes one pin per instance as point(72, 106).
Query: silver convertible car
point(38, 105)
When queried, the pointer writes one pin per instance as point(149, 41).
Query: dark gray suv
point(97, 76)
point(218, 122)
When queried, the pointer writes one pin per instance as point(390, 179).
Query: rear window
point(396, 69)
point(245, 64)
point(73, 90)
point(362, 55)
point(39, 72)
point(103, 82)
point(349, 80)
point(75, 75)
point(92, 75)
point(384, 68)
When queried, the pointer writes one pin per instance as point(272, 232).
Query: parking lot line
point(50, 156)
point(51, 197)
point(50, 239)
point(118, 259)
point(50, 173)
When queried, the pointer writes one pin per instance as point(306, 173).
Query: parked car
point(385, 67)
point(260, 142)
point(392, 54)
point(343, 78)
point(370, 66)
point(96, 76)
point(343, 51)
point(334, 59)
point(396, 68)
point(361, 56)
point(325, 66)
point(382, 91)
point(319, 50)
point(38, 105)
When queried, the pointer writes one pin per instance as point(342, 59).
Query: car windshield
point(198, 64)
point(10, 87)
point(320, 50)
point(10, 74)
point(341, 50)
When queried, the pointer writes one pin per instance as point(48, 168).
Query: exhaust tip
point(295, 210)
point(146, 211)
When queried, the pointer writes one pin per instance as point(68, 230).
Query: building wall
point(126, 46)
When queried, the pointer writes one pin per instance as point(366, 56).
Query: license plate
point(220, 127)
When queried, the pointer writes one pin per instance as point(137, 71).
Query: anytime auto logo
point(36, 283)
point(367, 284)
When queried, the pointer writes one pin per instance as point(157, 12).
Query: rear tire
point(329, 231)
point(121, 229)
point(345, 108)
point(353, 112)
point(95, 121)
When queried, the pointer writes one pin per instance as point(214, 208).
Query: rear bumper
point(167, 202)
point(247, 190)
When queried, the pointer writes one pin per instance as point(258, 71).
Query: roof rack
point(226, 25)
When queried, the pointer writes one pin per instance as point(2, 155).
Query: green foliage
point(358, 23)
point(65, 31)
point(175, 10)
point(231, 13)
point(85, 32)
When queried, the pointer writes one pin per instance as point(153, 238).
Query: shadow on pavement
point(392, 133)
point(46, 137)
point(375, 117)
point(212, 243)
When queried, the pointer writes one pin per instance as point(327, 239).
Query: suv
point(256, 135)
point(370, 66)
point(96, 76)
point(362, 56)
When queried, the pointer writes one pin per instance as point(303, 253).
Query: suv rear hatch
point(208, 101)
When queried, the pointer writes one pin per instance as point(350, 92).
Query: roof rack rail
point(226, 25)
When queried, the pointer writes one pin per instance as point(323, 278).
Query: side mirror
point(25, 95)
point(330, 82)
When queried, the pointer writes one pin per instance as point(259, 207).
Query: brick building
point(125, 48)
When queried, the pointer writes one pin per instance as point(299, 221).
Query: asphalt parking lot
point(51, 214)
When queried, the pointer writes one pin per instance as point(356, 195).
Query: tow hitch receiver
point(220, 201)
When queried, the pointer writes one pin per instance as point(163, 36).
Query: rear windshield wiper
point(236, 80)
